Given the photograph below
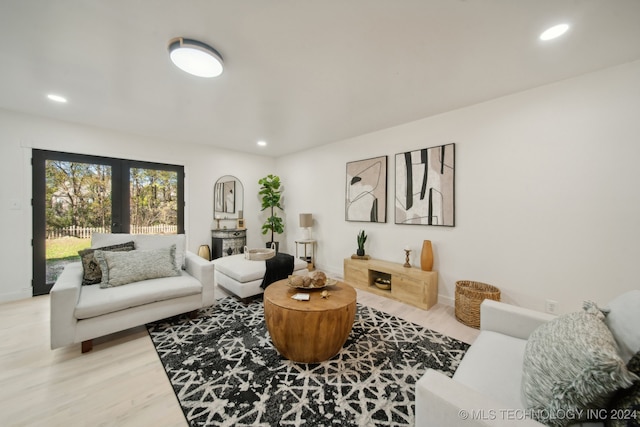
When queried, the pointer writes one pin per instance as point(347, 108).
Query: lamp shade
point(306, 220)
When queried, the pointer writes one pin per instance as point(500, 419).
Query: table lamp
point(306, 222)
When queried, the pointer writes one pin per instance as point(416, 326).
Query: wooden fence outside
point(85, 232)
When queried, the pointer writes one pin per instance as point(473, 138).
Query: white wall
point(546, 199)
point(203, 166)
point(547, 204)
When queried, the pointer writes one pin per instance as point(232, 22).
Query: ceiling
point(298, 74)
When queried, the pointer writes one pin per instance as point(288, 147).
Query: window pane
point(77, 203)
point(154, 201)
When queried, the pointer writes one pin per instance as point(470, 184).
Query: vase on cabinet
point(426, 256)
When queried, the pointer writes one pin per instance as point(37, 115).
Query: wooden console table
point(408, 284)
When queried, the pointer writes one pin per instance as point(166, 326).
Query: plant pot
point(277, 245)
point(360, 252)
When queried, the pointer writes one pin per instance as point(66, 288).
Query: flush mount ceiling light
point(262, 143)
point(553, 32)
point(57, 98)
point(195, 57)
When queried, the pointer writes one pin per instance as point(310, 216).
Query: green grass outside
point(65, 248)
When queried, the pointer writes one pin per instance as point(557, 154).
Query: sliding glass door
point(76, 195)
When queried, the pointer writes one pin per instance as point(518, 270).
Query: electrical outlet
point(551, 306)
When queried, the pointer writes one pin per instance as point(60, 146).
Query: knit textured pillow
point(571, 364)
point(91, 272)
point(121, 268)
point(624, 408)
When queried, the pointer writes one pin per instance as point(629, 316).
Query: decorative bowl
point(384, 284)
point(328, 282)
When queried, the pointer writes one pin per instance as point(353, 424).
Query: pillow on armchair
point(624, 408)
point(572, 364)
point(623, 318)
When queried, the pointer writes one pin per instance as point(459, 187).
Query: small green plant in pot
point(361, 239)
point(271, 194)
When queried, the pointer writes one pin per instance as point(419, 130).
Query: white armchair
point(485, 390)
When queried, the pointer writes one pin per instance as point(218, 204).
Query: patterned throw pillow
point(624, 408)
point(119, 268)
point(91, 273)
point(571, 364)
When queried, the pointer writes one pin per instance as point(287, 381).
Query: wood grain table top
point(280, 293)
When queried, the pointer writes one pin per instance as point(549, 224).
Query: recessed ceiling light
point(57, 98)
point(195, 57)
point(555, 31)
point(262, 143)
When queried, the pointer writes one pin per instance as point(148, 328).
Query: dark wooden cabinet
point(225, 242)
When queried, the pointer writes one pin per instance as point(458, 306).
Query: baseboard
point(14, 296)
point(446, 300)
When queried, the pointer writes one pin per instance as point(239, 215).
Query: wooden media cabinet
point(408, 284)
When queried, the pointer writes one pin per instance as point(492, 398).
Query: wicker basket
point(259, 254)
point(469, 296)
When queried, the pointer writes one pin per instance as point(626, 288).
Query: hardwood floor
point(121, 382)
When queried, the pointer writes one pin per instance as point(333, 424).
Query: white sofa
point(486, 388)
point(81, 313)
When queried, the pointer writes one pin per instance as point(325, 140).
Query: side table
point(309, 256)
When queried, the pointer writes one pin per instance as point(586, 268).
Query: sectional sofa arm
point(510, 320)
point(63, 300)
point(441, 401)
point(203, 271)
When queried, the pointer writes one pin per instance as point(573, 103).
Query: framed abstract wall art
point(366, 191)
point(425, 186)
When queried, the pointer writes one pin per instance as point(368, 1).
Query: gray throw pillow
point(624, 408)
point(571, 364)
point(91, 272)
point(120, 268)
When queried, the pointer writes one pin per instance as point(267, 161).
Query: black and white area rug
point(225, 371)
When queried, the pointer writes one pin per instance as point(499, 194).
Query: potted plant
point(361, 239)
point(271, 194)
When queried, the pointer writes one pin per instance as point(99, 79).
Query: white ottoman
point(243, 277)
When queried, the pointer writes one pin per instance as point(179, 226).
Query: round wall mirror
point(228, 198)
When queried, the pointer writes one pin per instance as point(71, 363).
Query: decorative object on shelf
point(366, 191)
point(384, 284)
point(271, 194)
point(306, 222)
point(361, 239)
point(407, 251)
point(425, 186)
point(259, 254)
point(204, 252)
point(218, 223)
point(240, 224)
point(469, 296)
point(426, 256)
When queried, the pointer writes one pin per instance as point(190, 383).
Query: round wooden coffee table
point(309, 331)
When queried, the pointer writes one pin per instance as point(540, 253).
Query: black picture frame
point(366, 190)
point(425, 186)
